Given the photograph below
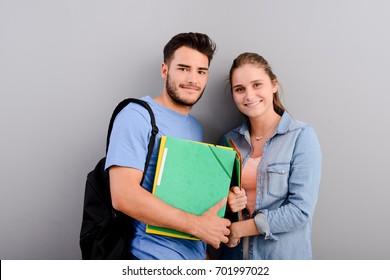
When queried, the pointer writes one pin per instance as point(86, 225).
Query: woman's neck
point(262, 125)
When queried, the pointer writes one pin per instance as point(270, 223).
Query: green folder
point(192, 176)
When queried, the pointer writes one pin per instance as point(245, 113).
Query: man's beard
point(172, 92)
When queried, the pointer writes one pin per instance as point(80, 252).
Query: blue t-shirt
point(128, 147)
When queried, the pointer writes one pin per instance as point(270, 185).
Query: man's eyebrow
point(183, 65)
point(187, 66)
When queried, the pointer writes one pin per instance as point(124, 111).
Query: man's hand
point(212, 229)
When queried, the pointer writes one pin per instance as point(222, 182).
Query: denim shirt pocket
point(277, 183)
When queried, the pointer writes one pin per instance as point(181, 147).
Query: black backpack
point(105, 232)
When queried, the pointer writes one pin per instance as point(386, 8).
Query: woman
point(281, 169)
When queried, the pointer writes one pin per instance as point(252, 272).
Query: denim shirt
point(288, 178)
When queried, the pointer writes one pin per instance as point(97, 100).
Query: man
point(187, 57)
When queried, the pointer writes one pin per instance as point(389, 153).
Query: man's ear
point(164, 70)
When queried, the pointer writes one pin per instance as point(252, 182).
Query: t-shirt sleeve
point(129, 139)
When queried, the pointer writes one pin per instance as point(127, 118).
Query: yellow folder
point(192, 176)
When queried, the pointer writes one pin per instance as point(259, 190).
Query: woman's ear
point(275, 86)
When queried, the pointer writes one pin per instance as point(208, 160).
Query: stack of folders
point(236, 178)
point(192, 176)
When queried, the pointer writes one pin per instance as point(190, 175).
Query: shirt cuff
point(263, 226)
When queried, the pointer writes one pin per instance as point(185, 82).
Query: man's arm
point(129, 197)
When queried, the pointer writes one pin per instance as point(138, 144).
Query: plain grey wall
point(64, 65)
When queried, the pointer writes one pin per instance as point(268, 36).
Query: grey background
point(64, 65)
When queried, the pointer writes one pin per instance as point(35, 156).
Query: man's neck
point(166, 101)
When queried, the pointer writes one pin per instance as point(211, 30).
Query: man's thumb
point(219, 205)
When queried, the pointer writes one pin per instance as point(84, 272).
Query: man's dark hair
point(197, 41)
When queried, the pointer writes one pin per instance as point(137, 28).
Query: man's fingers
point(218, 206)
point(225, 240)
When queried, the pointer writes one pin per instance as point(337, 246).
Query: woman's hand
point(241, 229)
point(237, 199)
point(234, 236)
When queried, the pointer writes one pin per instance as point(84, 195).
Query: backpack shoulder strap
point(143, 103)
